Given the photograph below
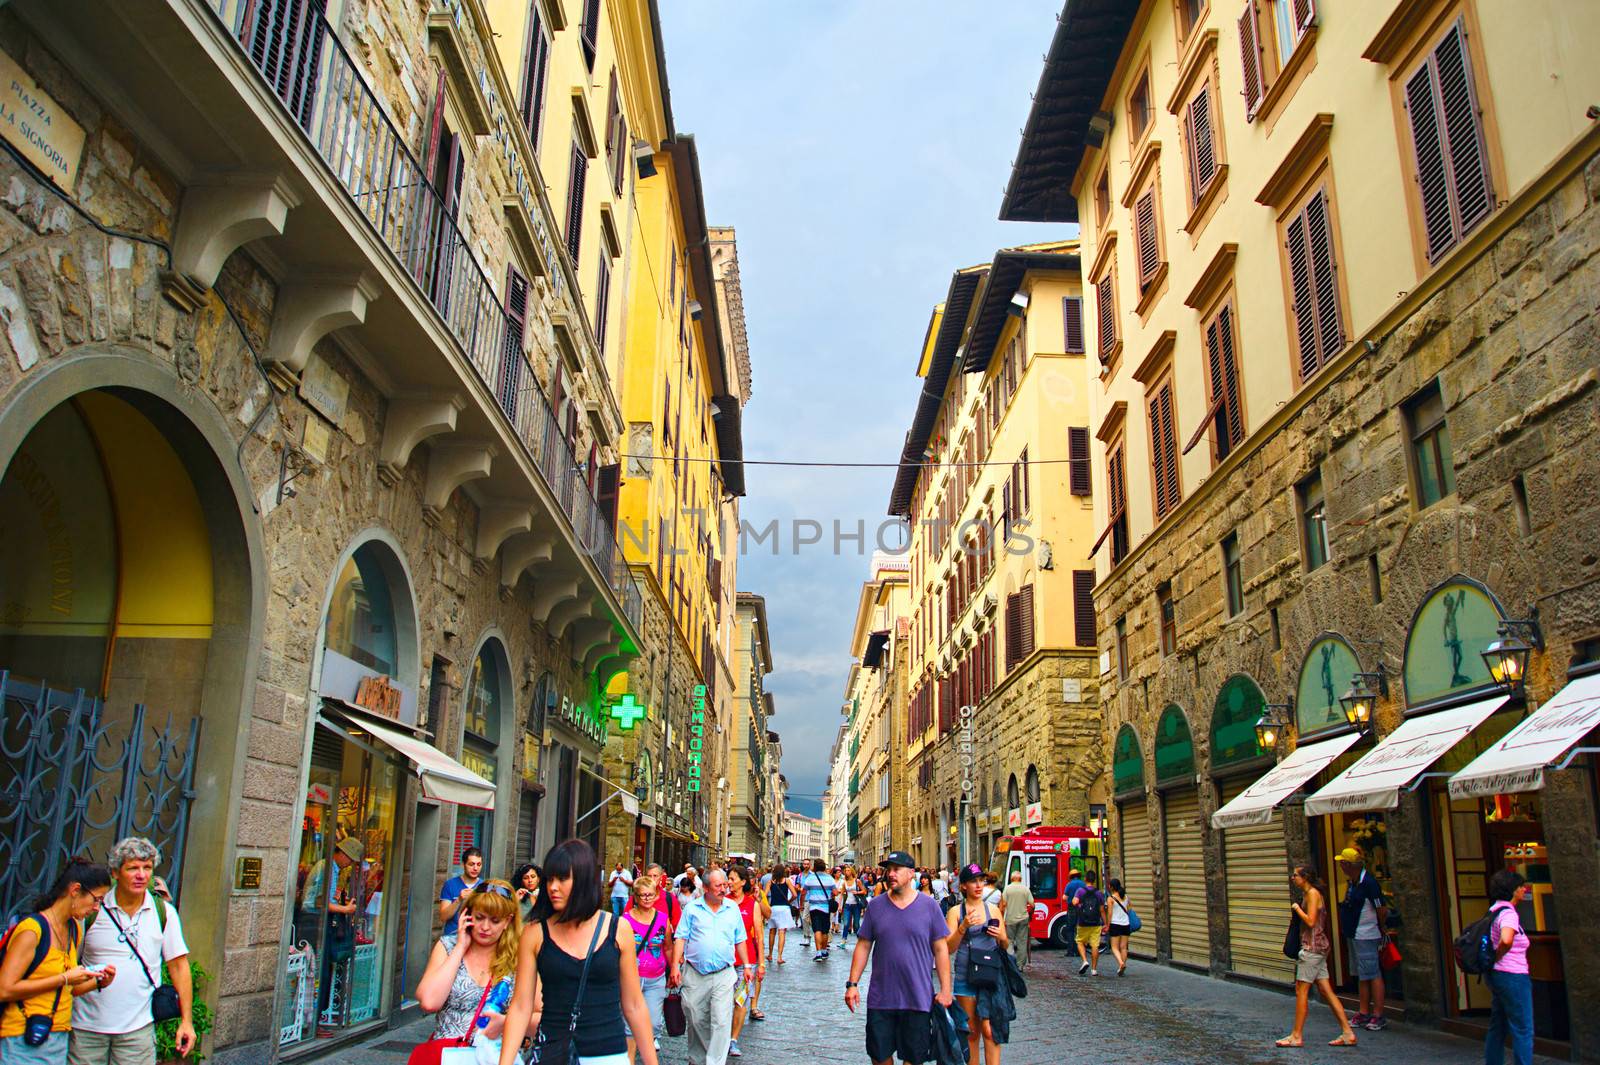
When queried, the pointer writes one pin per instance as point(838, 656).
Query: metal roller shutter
point(1136, 877)
point(1186, 878)
point(1257, 867)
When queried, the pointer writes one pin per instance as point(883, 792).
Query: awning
point(1517, 762)
point(1375, 781)
point(1255, 804)
point(442, 777)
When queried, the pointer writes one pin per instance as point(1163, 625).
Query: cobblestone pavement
point(1153, 1015)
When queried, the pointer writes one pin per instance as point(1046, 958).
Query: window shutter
point(1022, 475)
point(590, 33)
point(1202, 152)
point(1147, 248)
point(1105, 311)
point(435, 128)
point(1319, 237)
point(1118, 484)
point(1250, 53)
point(1072, 320)
point(1300, 283)
point(1083, 628)
point(1013, 628)
point(1078, 461)
point(1025, 620)
point(1452, 174)
point(1163, 450)
point(606, 495)
point(1305, 13)
point(577, 173)
point(602, 301)
point(613, 108)
point(533, 78)
point(1232, 407)
point(511, 345)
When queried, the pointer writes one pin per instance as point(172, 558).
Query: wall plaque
point(38, 126)
point(323, 388)
point(247, 874)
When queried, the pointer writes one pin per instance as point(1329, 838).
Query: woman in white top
point(1120, 924)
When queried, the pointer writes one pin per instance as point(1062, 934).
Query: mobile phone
point(994, 922)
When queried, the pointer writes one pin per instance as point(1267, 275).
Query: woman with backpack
point(1511, 1012)
point(974, 924)
point(1311, 965)
point(39, 970)
point(1121, 926)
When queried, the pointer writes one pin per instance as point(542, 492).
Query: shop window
point(1432, 464)
point(1239, 706)
point(361, 619)
point(1313, 521)
point(1232, 574)
point(1167, 611)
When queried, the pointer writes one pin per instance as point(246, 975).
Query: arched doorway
point(483, 750)
point(128, 614)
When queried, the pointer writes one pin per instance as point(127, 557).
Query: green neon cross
point(626, 711)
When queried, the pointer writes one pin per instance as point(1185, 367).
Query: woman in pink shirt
point(651, 931)
point(1512, 1010)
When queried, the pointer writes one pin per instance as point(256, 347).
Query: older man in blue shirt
point(710, 939)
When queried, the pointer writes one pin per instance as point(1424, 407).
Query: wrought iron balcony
point(298, 55)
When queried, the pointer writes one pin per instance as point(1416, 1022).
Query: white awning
point(443, 778)
point(1517, 763)
point(1255, 804)
point(1375, 781)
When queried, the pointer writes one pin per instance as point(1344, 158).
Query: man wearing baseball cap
point(904, 934)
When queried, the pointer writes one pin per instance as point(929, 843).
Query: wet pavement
point(1153, 1015)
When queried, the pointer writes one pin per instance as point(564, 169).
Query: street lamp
point(1507, 656)
point(1270, 725)
point(1363, 694)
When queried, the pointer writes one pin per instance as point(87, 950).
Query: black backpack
point(1474, 947)
point(1090, 900)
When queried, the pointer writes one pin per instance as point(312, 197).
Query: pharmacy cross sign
point(626, 711)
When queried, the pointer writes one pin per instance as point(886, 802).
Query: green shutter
point(1174, 747)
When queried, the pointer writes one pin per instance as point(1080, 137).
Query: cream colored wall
point(1540, 76)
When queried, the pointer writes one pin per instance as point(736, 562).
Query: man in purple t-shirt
point(907, 930)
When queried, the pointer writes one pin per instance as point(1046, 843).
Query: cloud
point(860, 150)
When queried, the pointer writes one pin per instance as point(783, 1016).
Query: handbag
point(1389, 954)
point(546, 1052)
point(833, 901)
point(1134, 924)
point(983, 959)
point(672, 1013)
point(36, 1028)
point(164, 1004)
point(433, 1051)
point(1291, 939)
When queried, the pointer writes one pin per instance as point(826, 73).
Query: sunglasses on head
point(495, 889)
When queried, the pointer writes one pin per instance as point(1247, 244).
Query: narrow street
point(1156, 1014)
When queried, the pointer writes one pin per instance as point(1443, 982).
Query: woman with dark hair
point(1511, 1012)
point(526, 881)
point(741, 892)
point(1311, 967)
point(780, 894)
point(44, 992)
point(1119, 929)
point(925, 884)
point(571, 931)
point(974, 920)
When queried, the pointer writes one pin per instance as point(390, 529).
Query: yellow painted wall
point(1537, 79)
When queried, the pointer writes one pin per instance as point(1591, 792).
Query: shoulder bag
point(433, 1051)
point(566, 1053)
point(164, 1004)
point(984, 967)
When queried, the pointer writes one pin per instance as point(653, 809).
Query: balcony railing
point(300, 58)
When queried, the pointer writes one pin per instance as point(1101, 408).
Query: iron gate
point(74, 780)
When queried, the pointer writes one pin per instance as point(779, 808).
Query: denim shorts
point(14, 1051)
point(959, 986)
point(1367, 959)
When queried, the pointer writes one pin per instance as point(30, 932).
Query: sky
point(861, 151)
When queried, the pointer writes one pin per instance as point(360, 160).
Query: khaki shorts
point(128, 1048)
point(1310, 967)
point(1089, 934)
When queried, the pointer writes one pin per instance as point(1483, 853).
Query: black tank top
point(780, 892)
point(600, 1027)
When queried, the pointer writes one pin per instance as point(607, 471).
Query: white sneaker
point(1094, 972)
point(733, 1049)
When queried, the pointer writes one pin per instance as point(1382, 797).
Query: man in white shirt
point(621, 889)
point(941, 886)
point(134, 931)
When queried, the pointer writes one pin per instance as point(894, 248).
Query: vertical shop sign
point(697, 736)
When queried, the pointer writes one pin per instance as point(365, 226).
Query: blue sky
point(861, 151)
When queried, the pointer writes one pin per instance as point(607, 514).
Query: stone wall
point(1508, 327)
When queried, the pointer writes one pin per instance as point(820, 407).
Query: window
point(1122, 648)
point(1163, 447)
point(616, 136)
point(1030, 785)
point(577, 173)
point(1116, 479)
point(1168, 614)
point(1140, 111)
point(1190, 12)
point(1102, 200)
point(1020, 494)
point(1285, 34)
point(534, 73)
point(1447, 142)
point(1078, 461)
point(589, 32)
point(1019, 625)
point(511, 359)
point(1226, 413)
point(1042, 875)
point(1430, 446)
point(1072, 324)
point(1232, 574)
point(1313, 521)
point(602, 301)
point(1314, 285)
point(1083, 622)
point(1270, 34)
point(1106, 312)
point(1146, 238)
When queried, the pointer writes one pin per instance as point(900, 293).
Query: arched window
point(1031, 787)
point(481, 747)
point(543, 699)
point(1011, 792)
point(361, 618)
point(1444, 647)
point(1174, 747)
point(1127, 762)
point(1239, 706)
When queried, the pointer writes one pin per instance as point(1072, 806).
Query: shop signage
point(33, 122)
point(379, 695)
point(1035, 813)
point(583, 719)
point(319, 795)
point(697, 736)
point(626, 712)
point(530, 758)
point(1013, 818)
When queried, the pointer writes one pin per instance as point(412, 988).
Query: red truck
point(1046, 856)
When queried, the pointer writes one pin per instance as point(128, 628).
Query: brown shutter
point(1233, 408)
point(1319, 235)
point(1250, 53)
point(1147, 248)
point(1303, 296)
point(1013, 628)
point(602, 301)
point(1022, 474)
point(590, 32)
point(1202, 152)
point(1083, 629)
point(1072, 322)
point(1163, 450)
point(578, 171)
point(435, 127)
point(533, 78)
point(612, 109)
point(1452, 174)
point(1078, 461)
point(511, 343)
point(606, 493)
point(1305, 13)
point(1025, 620)
point(1105, 311)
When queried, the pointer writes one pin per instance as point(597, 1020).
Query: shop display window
point(361, 622)
point(343, 903)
